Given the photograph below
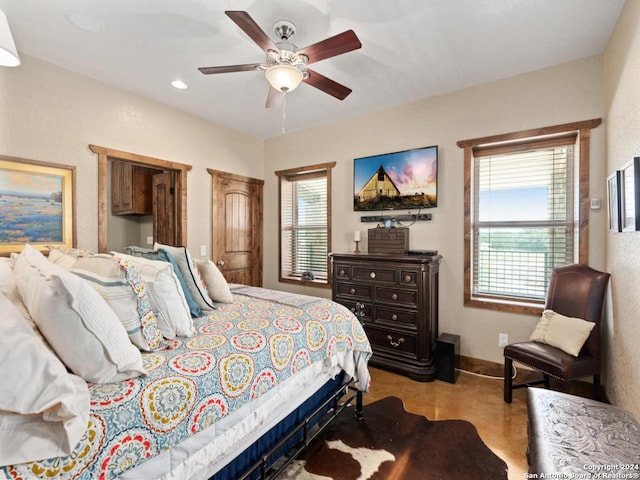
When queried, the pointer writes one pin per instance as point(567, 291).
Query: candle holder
point(357, 250)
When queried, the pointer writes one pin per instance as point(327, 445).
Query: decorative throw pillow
point(187, 266)
point(164, 256)
point(217, 285)
point(66, 257)
point(541, 327)
point(76, 321)
point(44, 410)
point(117, 281)
point(165, 294)
point(8, 286)
point(566, 333)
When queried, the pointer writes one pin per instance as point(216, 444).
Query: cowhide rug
point(391, 443)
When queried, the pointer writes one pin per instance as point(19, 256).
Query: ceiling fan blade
point(274, 98)
point(338, 44)
point(251, 28)
point(327, 85)
point(230, 68)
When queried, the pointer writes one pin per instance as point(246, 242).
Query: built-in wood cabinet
point(131, 189)
point(396, 299)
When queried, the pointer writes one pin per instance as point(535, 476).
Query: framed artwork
point(36, 204)
point(613, 201)
point(630, 195)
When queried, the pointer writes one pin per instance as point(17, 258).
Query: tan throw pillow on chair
point(541, 327)
point(566, 333)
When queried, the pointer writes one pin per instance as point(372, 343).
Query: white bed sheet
point(202, 455)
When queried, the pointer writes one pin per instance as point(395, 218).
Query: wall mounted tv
point(398, 180)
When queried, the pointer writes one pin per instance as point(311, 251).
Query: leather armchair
point(574, 291)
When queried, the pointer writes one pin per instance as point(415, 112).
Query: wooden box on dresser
point(396, 298)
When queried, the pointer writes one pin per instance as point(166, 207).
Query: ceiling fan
point(286, 66)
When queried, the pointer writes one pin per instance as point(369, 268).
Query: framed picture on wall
point(630, 195)
point(36, 204)
point(613, 201)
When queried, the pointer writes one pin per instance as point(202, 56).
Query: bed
point(212, 400)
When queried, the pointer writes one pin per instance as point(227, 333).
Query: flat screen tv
point(398, 180)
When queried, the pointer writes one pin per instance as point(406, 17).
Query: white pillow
point(566, 333)
point(76, 321)
point(195, 284)
point(217, 285)
point(63, 257)
point(44, 410)
point(120, 284)
point(165, 295)
point(8, 286)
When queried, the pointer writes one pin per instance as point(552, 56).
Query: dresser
point(396, 299)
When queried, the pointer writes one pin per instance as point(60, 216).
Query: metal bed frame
point(310, 427)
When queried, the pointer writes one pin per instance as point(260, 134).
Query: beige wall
point(622, 116)
point(566, 93)
point(50, 114)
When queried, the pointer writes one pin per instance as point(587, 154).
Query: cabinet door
point(130, 189)
point(164, 207)
point(121, 183)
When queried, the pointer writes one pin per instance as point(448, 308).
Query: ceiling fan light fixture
point(284, 78)
point(8, 53)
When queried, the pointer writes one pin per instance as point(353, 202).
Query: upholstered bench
point(575, 437)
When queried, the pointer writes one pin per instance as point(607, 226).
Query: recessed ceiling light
point(179, 84)
point(85, 21)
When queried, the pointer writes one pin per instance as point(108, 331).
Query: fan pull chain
point(284, 110)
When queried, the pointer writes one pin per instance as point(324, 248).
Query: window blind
point(304, 226)
point(523, 218)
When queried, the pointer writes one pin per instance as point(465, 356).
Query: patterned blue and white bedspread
point(240, 351)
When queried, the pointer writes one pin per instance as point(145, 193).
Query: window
point(305, 224)
point(526, 198)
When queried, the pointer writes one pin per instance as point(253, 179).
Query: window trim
point(516, 140)
point(301, 173)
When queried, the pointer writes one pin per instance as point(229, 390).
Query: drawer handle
point(342, 273)
point(407, 278)
point(394, 296)
point(394, 317)
point(395, 344)
point(372, 274)
point(352, 291)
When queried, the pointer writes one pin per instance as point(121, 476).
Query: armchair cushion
point(566, 333)
point(551, 360)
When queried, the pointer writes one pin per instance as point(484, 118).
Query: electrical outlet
point(203, 250)
point(503, 339)
point(149, 240)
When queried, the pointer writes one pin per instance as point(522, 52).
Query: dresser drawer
point(396, 296)
point(400, 318)
point(409, 278)
point(342, 272)
point(390, 340)
point(351, 305)
point(354, 291)
point(374, 274)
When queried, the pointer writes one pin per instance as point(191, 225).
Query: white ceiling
point(411, 49)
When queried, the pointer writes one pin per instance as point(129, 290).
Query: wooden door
point(237, 227)
point(164, 208)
